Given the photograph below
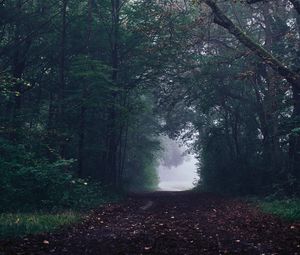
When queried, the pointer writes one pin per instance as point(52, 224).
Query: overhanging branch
point(296, 3)
point(221, 19)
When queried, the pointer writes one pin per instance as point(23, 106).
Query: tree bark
point(62, 58)
point(81, 143)
point(111, 165)
point(83, 109)
point(62, 82)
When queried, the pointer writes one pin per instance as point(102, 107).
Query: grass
point(29, 222)
point(20, 224)
point(287, 209)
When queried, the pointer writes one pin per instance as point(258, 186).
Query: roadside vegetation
point(20, 224)
point(87, 87)
point(288, 209)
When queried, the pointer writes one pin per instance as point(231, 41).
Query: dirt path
point(168, 223)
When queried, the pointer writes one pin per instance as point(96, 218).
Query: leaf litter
point(175, 223)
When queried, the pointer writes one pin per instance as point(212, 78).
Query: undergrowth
point(288, 209)
point(20, 224)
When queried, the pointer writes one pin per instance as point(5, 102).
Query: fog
point(177, 168)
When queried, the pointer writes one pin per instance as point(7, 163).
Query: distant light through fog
point(180, 175)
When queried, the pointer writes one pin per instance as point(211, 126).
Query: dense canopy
point(89, 87)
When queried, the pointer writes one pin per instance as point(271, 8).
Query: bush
point(287, 209)
point(22, 224)
point(28, 184)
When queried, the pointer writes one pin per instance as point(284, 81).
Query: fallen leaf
point(45, 242)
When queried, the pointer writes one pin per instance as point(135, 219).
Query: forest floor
point(167, 223)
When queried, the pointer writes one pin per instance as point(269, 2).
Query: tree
point(290, 75)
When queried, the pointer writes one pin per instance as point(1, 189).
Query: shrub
point(22, 224)
point(287, 209)
point(29, 184)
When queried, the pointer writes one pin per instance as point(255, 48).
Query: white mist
point(177, 170)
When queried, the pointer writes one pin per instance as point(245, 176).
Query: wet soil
point(168, 223)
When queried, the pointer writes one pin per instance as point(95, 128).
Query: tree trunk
point(81, 142)
point(83, 109)
point(113, 126)
point(62, 59)
point(18, 67)
point(62, 82)
point(294, 149)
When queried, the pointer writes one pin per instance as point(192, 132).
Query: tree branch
point(221, 19)
point(296, 3)
point(254, 1)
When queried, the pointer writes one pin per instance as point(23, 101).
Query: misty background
point(177, 168)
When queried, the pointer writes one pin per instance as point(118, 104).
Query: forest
point(88, 88)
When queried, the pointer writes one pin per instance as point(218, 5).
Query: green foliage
point(87, 98)
point(288, 209)
point(143, 147)
point(145, 178)
point(6, 85)
point(20, 224)
point(69, 102)
point(29, 183)
point(88, 70)
point(240, 112)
